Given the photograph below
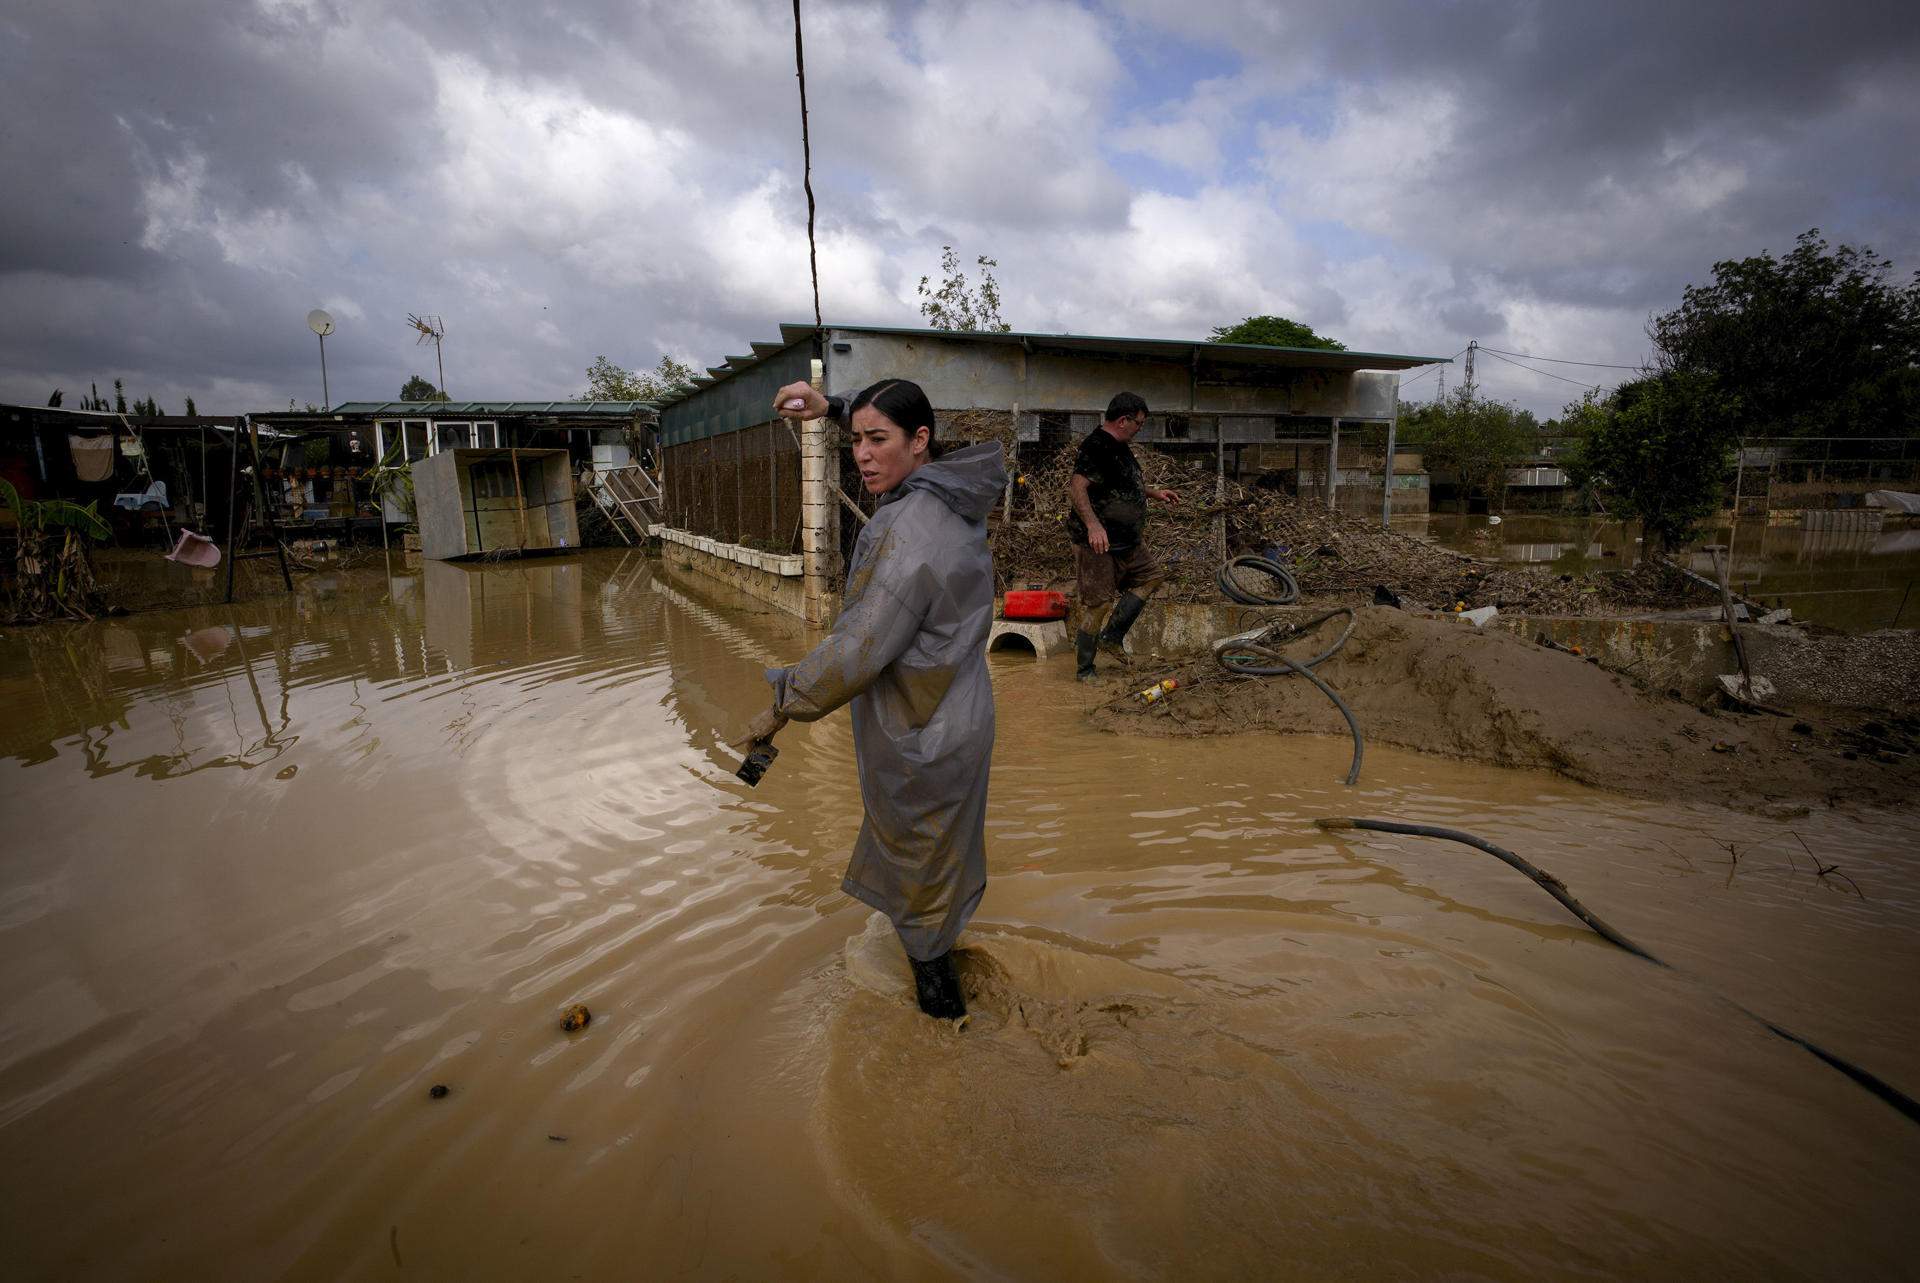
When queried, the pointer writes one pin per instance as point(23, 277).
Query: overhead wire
point(1529, 369)
point(1560, 360)
point(806, 159)
point(1431, 368)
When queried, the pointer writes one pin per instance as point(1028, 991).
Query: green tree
point(958, 305)
point(53, 402)
point(1475, 439)
point(609, 382)
point(1274, 331)
point(119, 397)
point(190, 410)
point(419, 389)
point(1659, 447)
point(1816, 343)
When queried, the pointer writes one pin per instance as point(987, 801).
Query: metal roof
point(441, 409)
point(1240, 354)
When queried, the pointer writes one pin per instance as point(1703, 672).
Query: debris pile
point(1328, 552)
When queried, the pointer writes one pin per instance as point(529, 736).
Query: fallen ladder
point(631, 495)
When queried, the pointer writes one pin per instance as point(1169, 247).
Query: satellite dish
point(319, 322)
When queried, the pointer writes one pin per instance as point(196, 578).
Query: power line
point(806, 159)
point(1558, 360)
point(1529, 369)
point(1430, 369)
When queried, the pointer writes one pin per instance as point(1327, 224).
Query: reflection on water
point(1852, 580)
point(272, 872)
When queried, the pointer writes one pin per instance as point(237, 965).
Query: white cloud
point(626, 180)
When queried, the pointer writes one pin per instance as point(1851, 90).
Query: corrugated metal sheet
point(741, 400)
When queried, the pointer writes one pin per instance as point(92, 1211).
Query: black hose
point(1884, 1090)
point(1235, 590)
point(1256, 653)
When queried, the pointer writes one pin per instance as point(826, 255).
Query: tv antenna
point(322, 324)
point(431, 331)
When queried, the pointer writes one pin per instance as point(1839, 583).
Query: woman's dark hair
point(901, 401)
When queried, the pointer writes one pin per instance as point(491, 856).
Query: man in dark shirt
point(1108, 526)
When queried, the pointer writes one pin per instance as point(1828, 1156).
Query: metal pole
point(1333, 463)
point(1386, 498)
point(1220, 490)
point(1733, 630)
point(233, 502)
point(325, 394)
point(439, 363)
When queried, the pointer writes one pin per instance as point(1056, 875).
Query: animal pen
point(743, 490)
point(474, 503)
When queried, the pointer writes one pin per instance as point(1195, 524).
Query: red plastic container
point(1026, 605)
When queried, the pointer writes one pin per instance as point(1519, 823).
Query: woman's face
point(883, 451)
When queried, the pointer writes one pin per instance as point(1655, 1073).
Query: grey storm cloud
point(564, 180)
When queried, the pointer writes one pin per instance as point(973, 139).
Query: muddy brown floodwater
point(273, 873)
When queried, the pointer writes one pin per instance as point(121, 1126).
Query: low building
point(599, 434)
point(746, 490)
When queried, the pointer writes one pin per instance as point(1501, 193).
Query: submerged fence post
point(817, 514)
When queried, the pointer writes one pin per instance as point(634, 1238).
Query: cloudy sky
point(186, 178)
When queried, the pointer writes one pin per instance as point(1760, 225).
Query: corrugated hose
point(1871, 1082)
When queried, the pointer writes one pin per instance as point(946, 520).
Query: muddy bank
point(1441, 686)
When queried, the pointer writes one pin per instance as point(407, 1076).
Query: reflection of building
point(515, 612)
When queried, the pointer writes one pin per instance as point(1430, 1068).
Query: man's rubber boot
point(1125, 611)
point(937, 987)
point(1084, 646)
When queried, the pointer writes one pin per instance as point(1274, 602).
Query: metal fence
point(739, 487)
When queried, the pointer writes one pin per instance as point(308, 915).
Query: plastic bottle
point(1154, 692)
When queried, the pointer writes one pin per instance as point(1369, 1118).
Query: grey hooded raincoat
point(909, 652)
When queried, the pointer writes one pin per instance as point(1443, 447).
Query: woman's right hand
point(811, 405)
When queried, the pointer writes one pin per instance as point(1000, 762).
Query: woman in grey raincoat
point(909, 653)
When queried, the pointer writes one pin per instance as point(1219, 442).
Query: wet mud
point(1438, 685)
point(276, 872)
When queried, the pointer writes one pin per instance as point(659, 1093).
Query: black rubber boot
point(938, 988)
point(1084, 645)
point(1125, 611)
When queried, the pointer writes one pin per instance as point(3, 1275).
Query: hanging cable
point(806, 159)
point(1557, 360)
point(1431, 368)
point(1530, 370)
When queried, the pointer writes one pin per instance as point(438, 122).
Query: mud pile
point(1329, 552)
point(1439, 685)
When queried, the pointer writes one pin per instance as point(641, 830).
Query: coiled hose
point(1878, 1086)
point(1256, 653)
point(1236, 590)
